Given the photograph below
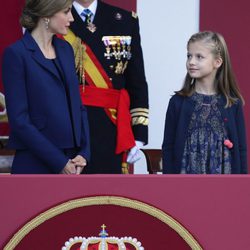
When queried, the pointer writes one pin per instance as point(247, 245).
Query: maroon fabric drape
point(128, 5)
point(10, 32)
point(231, 20)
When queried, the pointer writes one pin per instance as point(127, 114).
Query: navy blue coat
point(178, 117)
point(42, 119)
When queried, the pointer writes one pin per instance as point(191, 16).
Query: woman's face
point(59, 22)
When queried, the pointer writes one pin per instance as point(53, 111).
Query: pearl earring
point(46, 21)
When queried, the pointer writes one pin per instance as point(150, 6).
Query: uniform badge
point(118, 16)
point(91, 27)
point(107, 43)
point(120, 67)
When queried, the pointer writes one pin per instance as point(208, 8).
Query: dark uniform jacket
point(113, 21)
point(178, 117)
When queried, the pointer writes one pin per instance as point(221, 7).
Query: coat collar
point(78, 25)
point(37, 54)
point(101, 15)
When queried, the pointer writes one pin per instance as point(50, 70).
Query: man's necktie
point(87, 14)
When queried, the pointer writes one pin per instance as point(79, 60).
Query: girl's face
point(201, 63)
point(60, 21)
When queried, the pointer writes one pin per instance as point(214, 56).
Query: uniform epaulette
point(134, 14)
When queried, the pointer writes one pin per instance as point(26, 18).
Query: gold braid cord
point(100, 201)
point(140, 116)
point(79, 50)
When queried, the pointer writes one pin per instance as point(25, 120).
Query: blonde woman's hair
point(225, 80)
point(35, 9)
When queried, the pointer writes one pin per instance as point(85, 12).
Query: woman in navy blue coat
point(49, 127)
point(204, 127)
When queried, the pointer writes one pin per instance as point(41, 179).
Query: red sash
point(113, 99)
point(100, 93)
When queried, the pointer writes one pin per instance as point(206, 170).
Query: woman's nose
point(71, 19)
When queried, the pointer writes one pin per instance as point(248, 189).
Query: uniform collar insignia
point(118, 16)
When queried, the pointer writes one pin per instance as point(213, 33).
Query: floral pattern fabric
point(204, 150)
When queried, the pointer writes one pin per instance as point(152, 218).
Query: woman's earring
point(192, 81)
point(46, 21)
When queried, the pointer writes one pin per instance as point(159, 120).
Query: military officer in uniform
point(113, 87)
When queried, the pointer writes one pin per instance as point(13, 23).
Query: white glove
point(134, 153)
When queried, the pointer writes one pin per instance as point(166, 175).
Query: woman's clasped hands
point(75, 165)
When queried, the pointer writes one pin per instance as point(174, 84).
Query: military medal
point(106, 42)
point(118, 45)
point(91, 27)
point(118, 48)
point(120, 67)
point(122, 41)
point(128, 43)
point(115, 52)
point(87, 14)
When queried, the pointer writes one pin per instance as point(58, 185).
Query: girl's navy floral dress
point(204, 151)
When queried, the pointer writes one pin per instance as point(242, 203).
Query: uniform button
point(111, 66)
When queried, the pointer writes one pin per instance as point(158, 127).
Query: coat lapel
point(63, 59)
point(101, 16)
point(187, 108)
point(37, 55)
point(78, 25)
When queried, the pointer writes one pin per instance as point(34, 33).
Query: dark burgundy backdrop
point(10, 31)
point(231, 19)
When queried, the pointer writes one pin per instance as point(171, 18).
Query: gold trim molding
point(98, 201)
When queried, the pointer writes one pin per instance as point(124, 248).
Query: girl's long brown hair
point(225, 80)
